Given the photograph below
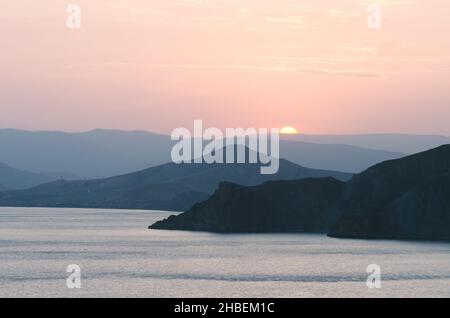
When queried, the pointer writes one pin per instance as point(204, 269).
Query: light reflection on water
point(120, 257)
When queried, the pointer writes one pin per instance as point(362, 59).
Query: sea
point(55, 252)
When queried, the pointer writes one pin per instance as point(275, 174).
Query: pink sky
point(159, 64)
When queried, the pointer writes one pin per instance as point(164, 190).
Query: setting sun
point(288, 130)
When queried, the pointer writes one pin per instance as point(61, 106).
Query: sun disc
point(288, 130)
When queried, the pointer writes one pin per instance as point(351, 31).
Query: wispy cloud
point(241, 67)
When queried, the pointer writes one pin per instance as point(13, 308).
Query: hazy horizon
point(287, 136)
point(157, 65)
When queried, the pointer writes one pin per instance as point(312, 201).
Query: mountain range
point(93, 154)
point(171, 186)
point(407, 198)
point(105, 153)
point(403, 143)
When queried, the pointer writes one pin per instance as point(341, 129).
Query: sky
point(157, 65)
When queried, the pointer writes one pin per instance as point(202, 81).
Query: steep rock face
point(276, 206)
point(406, 198)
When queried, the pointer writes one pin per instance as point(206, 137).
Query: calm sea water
point(120, 257)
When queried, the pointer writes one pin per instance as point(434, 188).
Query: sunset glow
point(159, 64)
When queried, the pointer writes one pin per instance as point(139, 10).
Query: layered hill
point(97, 153)
point(174, 187)
point(105, 153)
point(11, 178)
point(407, 198)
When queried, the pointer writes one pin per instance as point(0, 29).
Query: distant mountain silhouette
point(11, 178)
point(404, 143)
point(97, 153)
point(334, 157)
point(170, 186)
point(104, 153)
point(407, 198)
